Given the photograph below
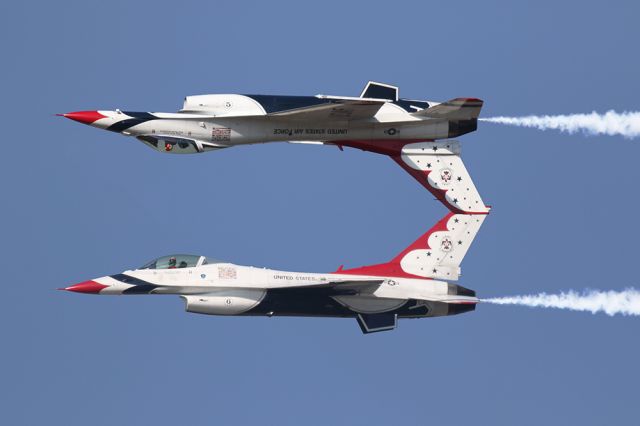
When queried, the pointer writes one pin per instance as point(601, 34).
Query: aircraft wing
point(338, 287)
point(336, 108)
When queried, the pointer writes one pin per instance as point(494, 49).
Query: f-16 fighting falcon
point(378, 121)
point(412, 285)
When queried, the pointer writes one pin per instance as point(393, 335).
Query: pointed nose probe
point(86, 117)
point(89, 287)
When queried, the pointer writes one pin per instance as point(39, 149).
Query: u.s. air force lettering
point(309, 131)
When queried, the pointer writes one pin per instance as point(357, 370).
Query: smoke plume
point(611, 123)
point(625, 302)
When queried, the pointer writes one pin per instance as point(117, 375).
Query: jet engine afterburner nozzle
point(462, 127)
point(458, 290)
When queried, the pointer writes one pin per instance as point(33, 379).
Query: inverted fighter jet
point(378, 121)
point(414, 284)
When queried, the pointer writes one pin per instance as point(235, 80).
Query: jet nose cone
point(86, 117)
point(90, 287)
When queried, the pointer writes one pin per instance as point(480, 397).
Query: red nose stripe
point(87, 287)
point(86, 117)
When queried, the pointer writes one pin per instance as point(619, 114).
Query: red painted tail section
point(422, 177)
point(421, 158)
point(393, 149)
point(393, 267)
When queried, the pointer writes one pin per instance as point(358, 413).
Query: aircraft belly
point(370, 305)
point(281, 130)
point(243, 130)
point(297, 302)
point(321, 303)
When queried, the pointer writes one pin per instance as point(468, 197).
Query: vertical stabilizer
point(437, 253)
point(439, 168)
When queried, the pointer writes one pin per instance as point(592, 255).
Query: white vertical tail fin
point(436, 165)
point(438, 253)
point(439, 168)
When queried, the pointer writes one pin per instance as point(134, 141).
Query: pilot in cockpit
point(172, 263)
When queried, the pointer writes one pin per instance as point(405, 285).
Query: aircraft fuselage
point(408, 131)
point(219, 288)
point(210, 122)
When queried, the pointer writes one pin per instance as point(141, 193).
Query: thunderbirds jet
point(378, 121)
point(414, 284)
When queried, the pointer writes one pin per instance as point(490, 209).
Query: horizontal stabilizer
point(455, 109)
point(372, 323)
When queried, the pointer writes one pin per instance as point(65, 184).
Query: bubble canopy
point(176, 261)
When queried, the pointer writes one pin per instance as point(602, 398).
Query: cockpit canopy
point(175, 261)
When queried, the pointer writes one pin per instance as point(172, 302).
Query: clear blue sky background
point(79, 203)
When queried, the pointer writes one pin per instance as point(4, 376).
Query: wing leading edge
point(335, 108)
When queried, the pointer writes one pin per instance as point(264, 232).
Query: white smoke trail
point(625, 302)
point(611, 123)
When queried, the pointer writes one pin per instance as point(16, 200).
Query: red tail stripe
point(393, 268)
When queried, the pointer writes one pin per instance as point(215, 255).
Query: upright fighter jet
point(416, 283)
point(411, 285)
point(378, 121)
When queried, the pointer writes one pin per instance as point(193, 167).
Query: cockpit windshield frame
point(176, 261)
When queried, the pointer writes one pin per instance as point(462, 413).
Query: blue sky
point(78, 203)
